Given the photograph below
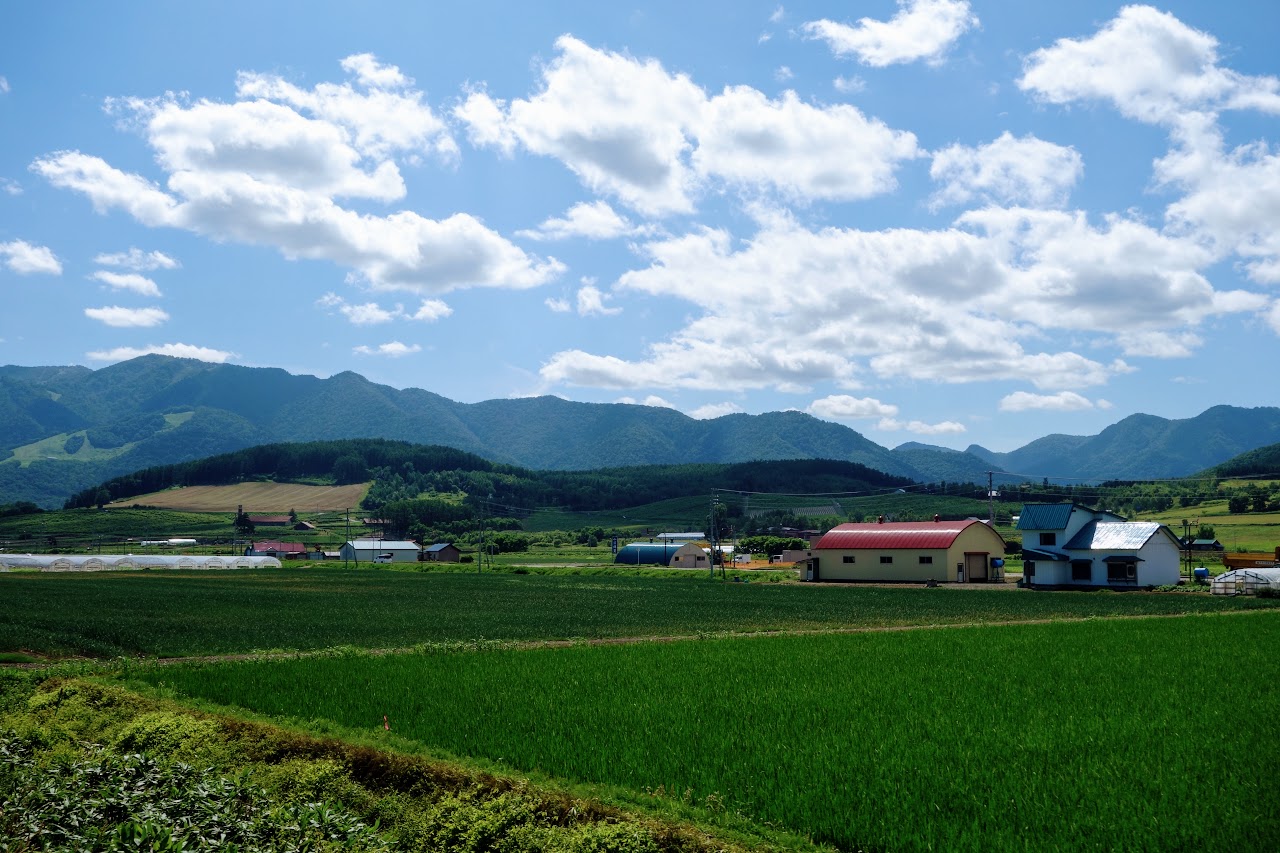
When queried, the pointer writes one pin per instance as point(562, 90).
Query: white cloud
point(777, 15)
point(4, 86)
point(783, 73)
point(431, 310)
point(652, 400)
point(560, 306)
point(592, 220)
point(849, 85)
point(1272, 316)
point(591, 302)
point(1156, 344)
point(1064, 401)
point(369, 314)
point(131, 281)
point(655, 140)
point(921, 29)
point(842, 407)
point(714, 410)
point(114, 315)
point(1027, 171)
point(920, 427)
point(10, 186)
point(392, 349)
point(136, 259)
point(175, 350)
point(271, 168)
point(25, 258)
point(1150, 66)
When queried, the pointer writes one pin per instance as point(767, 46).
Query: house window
point(1048, 539)
point(925, 561)
point(1028, 570)
point(1122, 572)
point(1081, 570)
point(886, 558)
point(849, 558)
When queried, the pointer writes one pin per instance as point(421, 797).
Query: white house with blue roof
point(1072, 546)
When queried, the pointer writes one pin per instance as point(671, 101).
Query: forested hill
point(1262, 462)
point(404, 471)
point(64, 429)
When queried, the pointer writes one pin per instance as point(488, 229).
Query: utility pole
point(991, 500)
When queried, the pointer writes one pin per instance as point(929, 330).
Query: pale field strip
point(254, 497)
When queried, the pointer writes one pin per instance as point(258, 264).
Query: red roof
point(282, 547)
point(915, 535)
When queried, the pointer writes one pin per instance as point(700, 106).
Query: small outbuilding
point(441, 552)
point(907, 552)
point(670, 554)
point(1246, 582)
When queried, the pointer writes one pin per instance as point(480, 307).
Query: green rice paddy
point(1121, 734)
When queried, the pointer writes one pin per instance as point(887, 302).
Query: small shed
point(690, 556)
point(441, 552)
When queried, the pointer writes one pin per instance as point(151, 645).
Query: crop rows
point(1120, 734)
point(185, 613)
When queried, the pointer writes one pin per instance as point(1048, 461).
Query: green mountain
point(64, 429)
point(1260, 462)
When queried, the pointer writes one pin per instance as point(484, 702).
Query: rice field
point(171, 613)
point(1121, 734)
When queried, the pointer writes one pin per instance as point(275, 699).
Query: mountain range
point(63, 429)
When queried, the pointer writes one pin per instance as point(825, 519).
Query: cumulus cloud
point(371, 313)
point(920, 427)
point(652, 400)
point(124, 318)
point(176, 350)
point(25, 258)
point(1063, 401)
point(131, 281)
point(842, 407)
point(921, 30)
point(10, 186)
point(558, 305)
point(1026, 171)
point(592, 220)
point(276, 167)
point(431, 310)
point(655, 140)
point(714, 410)
point(138, 260)
point(1150, 66)
point(591, 302)
point(392, 349)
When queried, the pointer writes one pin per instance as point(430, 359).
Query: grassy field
point(172, 613)
point(53, 447)
point(254, 497)
point(1094, 735)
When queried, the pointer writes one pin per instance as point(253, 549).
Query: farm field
point(172, 613)
point(254, 497)
point(1120, 734)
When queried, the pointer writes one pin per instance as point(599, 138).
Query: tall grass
point(1139, 735)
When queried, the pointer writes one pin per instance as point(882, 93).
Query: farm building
point(380, 551)
point(442, 552)
point(686, 556)
point(1246, 582)
point(908, 552)
point(128, 562)
point(1071, 546)
point(279, 550)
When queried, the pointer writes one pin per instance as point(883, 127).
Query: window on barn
point(886, 558)
point(1048, 539)
point(1126, 572)
point(1081, 570)
point(925, 561)
point(849, 558)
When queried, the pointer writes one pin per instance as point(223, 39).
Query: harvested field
point(254, 497)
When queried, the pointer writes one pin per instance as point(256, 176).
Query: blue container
point(1201, 574)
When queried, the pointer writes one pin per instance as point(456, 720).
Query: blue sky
point(930, 220)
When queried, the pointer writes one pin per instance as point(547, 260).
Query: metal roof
point(895, 534)
point(439, 546)
point(290, 547)
point(1112, 535)
point(1045, 516)
point(385, 544)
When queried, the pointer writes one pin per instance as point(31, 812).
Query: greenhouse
point(128, 562)
point(1246, 581)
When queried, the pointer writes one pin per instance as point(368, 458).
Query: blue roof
point(1113, 535)
point(1045, 516)
point(439, 546)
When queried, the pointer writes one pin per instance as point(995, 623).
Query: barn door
point(975, 567)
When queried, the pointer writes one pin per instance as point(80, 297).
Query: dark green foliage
point(770, 545)
point(74, 442)
point(122, 432)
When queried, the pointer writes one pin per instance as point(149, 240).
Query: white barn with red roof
point(908, 552)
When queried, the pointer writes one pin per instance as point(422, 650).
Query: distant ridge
point(63, 429)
